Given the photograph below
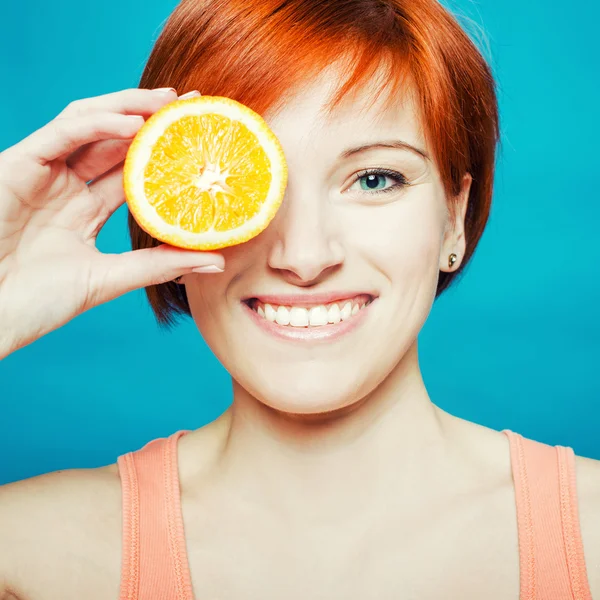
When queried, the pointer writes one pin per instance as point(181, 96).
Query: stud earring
point(452, 259)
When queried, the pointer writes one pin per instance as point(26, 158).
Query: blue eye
point(374, 180)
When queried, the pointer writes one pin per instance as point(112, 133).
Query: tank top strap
point(154, 563)
point(551, 558)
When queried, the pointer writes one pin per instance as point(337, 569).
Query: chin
point(306, 392)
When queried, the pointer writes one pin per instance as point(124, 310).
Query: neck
point(393, 442)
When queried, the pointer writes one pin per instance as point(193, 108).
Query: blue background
point(515, 345)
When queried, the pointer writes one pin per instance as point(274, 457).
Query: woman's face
point(362, 250)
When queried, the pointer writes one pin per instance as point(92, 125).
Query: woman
point(332, 475)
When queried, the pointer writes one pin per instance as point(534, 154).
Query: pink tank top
point(552, 565)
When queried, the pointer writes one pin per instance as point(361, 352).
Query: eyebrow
point(397, 144)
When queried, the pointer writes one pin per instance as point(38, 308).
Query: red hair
point(257, 52)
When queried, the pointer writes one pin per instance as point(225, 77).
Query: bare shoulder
point(60, 535)
point(588, 492)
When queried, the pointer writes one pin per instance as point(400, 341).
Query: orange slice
point(204, 173)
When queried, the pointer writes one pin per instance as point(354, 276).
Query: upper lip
point(306, 299)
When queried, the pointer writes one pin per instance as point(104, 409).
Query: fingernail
point(208, 269)
point(138, 117)
point(165, 90)
point(190, 94)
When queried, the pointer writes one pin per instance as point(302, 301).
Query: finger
point(127, 102)
point(92, 160)
point(109, 190)
point(123, 273)
point(65, 135)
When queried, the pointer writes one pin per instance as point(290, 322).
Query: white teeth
point(318, 316)
point(270, 313)
point(283, 316)
point(298, 317)
point(346, 312)
point(334, 314)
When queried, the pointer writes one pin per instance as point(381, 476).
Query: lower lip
point(312, 334)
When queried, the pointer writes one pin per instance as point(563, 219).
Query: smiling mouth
point(321, 315)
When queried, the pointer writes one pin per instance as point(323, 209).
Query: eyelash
point(401, 179)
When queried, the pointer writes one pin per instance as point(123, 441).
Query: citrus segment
point(204, 173)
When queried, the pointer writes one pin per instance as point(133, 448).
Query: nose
point(306, 248)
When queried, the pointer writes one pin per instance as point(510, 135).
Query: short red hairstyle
point(257, 52)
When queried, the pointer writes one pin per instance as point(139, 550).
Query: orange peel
point(204, 173)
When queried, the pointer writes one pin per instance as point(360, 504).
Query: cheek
point(402, 239)
point(206, 295)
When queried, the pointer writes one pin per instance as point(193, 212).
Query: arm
point(588, 491)
point(60, 536)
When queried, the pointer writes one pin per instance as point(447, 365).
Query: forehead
point(367, 114)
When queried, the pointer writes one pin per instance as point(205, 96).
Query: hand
point(58, 187)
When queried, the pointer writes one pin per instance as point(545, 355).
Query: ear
point(454, 237)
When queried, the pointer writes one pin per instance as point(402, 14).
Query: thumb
point(152, 266)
